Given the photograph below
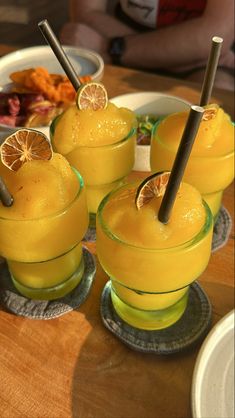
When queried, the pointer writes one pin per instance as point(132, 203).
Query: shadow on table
point(111, 380)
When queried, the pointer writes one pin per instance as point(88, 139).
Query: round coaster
point(12, 300)
point(222, 229)
point(190, 328)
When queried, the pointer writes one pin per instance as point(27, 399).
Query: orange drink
point(41, 232)
point(211, 164)
point(154, 263)
point(100, 144)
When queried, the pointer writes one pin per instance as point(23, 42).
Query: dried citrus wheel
point(24, 145)
point(210, 112)
point(92, 96)
point(154, 185)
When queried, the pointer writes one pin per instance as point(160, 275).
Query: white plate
point(213, 377)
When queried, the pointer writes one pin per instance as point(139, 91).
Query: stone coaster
point(190, 328)
point(90, 235)
point(222, 229)
point(11, 299)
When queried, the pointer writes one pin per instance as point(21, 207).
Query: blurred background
point(19, 19)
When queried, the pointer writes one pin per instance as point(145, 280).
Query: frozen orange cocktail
point(41, 232)
point(154, 263)
point(211, 164)
point(100, 143)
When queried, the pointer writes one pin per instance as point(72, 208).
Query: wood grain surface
point(72, 366)
point(122, 80)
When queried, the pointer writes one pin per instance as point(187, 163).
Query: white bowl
point(152, 103)
point(83, 60)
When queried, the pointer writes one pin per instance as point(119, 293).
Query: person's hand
point(77, 34)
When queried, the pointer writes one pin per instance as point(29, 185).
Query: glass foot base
point(149, 319)
point(51, 293)
point(14, 302)
point(186, 332)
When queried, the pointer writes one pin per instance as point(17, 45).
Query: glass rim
point(57, 213)
point(194, 157)
point(132, 132)
point(189, 243)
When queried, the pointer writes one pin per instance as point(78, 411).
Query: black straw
point(5, 196)
point(211, 68)
point(59, 53)
point(181, 159)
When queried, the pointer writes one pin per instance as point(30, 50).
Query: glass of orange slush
point(41, 232)
point(98, 139)
point(211, 164)
point(154, 263)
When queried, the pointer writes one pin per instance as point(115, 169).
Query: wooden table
point(72, 366)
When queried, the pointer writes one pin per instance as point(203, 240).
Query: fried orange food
point(55, 87)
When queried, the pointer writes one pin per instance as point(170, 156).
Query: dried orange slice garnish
point(24, 145)
point(210, 112)
point(152, 186)
point(92, 96)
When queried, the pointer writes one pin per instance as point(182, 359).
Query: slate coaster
point(189, 329)
point(13, 301)
point(222, 229)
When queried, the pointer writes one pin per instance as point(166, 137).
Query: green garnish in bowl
point(144, 129)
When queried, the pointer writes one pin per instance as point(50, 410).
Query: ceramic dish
point(83, 60)
point(152, 103)
point(213, 377)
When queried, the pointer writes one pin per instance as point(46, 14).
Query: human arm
point(177, 48)
point(185, 45)
point(91, 26)
point(98, 16)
